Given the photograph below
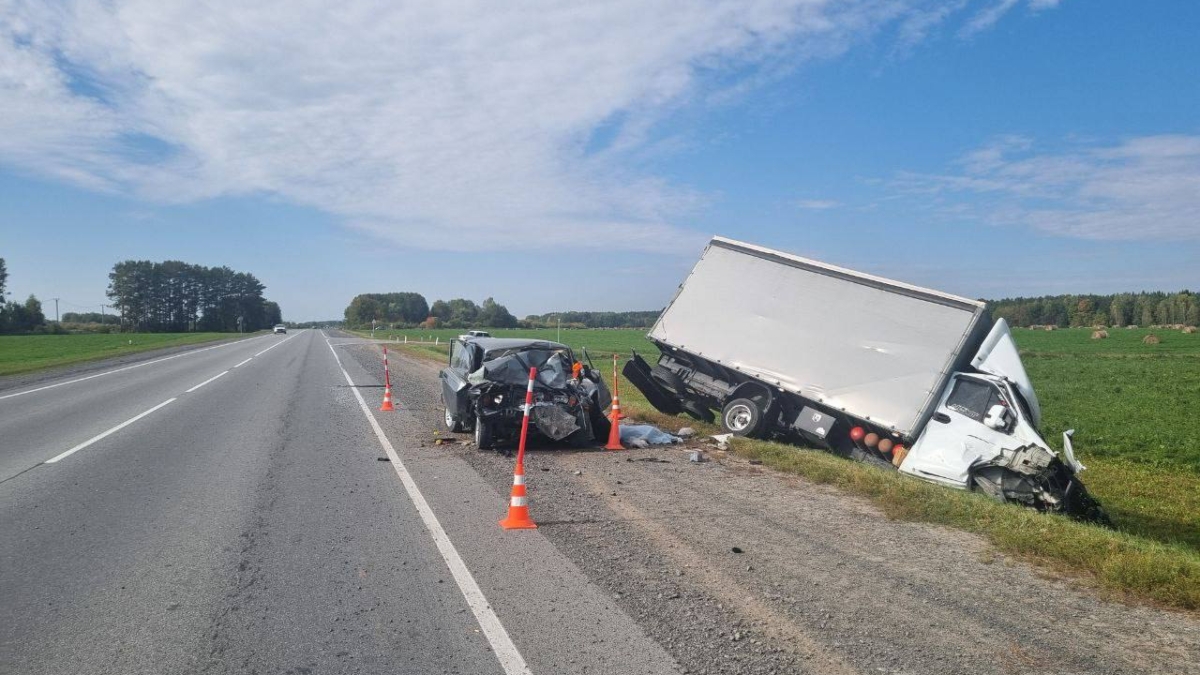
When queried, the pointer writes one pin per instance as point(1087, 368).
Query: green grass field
point(27, 353)
point(1133, 407)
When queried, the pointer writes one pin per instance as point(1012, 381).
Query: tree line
point(174, 296)
point(19, 317)
point(1121, 309)
point(409, 309)
point(635, 319)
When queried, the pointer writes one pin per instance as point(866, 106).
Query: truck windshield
point(972, 398)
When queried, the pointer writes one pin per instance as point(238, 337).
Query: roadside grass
point(29, 353)
point(1134, 428)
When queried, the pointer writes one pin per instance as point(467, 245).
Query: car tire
point(453, 423)
point(483, 434)
point(742, 417)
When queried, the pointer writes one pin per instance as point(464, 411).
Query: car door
point(956, 438)
point(454, 380)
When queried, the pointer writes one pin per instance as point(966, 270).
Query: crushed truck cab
point(870, 368)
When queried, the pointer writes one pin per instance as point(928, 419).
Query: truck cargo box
point(877, 349)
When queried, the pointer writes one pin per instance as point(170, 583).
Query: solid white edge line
point(105, 434)
point(502, 645)
point(277, 344)
point(205, 382)
point(136, 365)
point(244, 362)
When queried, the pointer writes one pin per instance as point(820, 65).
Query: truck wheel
point(742, 417)
point(452, 422)
point(483, 434)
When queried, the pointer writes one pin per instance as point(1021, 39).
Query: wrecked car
point(877, 370)
point(484, 386)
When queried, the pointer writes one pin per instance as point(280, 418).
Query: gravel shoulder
point(819, 582)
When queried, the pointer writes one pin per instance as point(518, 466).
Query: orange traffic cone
point(614, 432)
point(387, 400)
point(518, 505)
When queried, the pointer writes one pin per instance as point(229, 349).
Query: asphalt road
point(227, 510)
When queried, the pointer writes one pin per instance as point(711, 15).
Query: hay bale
point(1099, 334)
point(1132, 326)
point(1187, 330)
point(1151, 339)
point(1051, 327)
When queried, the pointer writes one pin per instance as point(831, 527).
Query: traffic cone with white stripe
point(518, 504)
point(614, 431)
point(387, 385)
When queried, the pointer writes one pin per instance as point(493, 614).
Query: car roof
point(487, 344)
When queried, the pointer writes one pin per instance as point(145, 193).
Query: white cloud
point(1145, 188)
point(817, 204)
point(451, 125)
point(987, 17)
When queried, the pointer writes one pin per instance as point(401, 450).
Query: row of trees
point(175, 296)
point(19, 317)
point(411, 309)
point(1122, 309)
point(639, 319)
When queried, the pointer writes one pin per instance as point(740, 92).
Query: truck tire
point(742, 417)
point(452, 422)
point(483, 434)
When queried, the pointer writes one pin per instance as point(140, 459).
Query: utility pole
point(56, 309)
point(558, 337)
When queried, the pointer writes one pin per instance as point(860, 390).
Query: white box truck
point(877, 370)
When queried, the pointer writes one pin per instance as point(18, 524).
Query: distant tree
point(494, 315)
point(463, 312)
point(430, 322)
point(441, 310)
point(3, 279)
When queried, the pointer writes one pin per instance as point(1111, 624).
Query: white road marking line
point(502, 645)
point(244, 362)
point(205, 382)
point(136, 365)
point(111, 431)
point(277, 344)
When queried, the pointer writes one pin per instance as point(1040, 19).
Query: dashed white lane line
point(105, 434)
point(502, 645)
point(244, 362)
point(277, 344)
point(206, 382)
point(121, 370)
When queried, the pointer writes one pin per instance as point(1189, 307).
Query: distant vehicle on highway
point(280, 329)
point(474, 334)
point(484, 387)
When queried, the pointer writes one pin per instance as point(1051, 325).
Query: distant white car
point(280, 329)
point(474, 334)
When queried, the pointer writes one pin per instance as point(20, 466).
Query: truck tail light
point(871, 440)
point(857, 433)
point(885, 446)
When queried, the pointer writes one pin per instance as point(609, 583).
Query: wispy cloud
point(440, 125)
point(987, 17)
point(1144, 188)
point(817, 204)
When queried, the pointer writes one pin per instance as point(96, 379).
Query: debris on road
point(685, 432)
point(643, 435)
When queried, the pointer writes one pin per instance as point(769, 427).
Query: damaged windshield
point(511, 366)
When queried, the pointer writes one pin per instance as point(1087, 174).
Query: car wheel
point(741, 417)
point(483, 434)
point(452, 422)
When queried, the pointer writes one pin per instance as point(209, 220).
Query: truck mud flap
point(664, 400)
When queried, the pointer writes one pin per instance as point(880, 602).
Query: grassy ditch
point(1145, 479)
point(29, 353)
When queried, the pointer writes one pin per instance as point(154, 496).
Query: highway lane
point(249, 526)
point(41, 421)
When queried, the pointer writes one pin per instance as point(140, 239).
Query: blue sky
point(578, 158)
